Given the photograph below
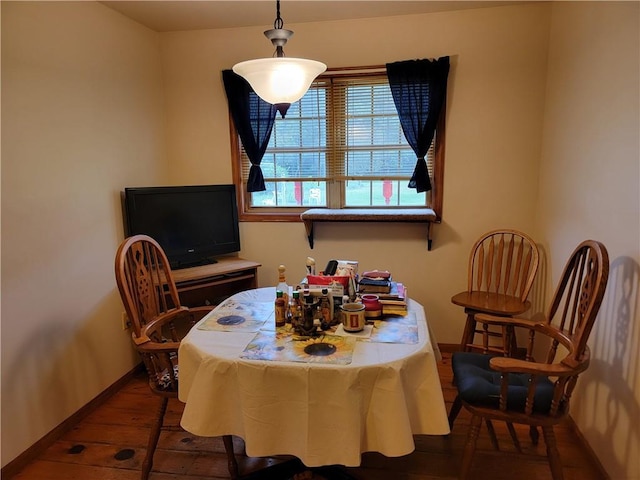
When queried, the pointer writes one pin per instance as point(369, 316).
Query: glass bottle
point(282, 284)
point(295, 309)
point(308, 315)
point(280, 309)
point(325, 307)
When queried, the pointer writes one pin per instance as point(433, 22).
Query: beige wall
point(92, 102)
point(495, 109)
point(81, 118)
point(590, 188)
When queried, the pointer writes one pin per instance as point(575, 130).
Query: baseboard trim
point(449, 347)
point(585, 444)
point(37, 449)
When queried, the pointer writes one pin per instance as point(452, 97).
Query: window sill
point(409, 215)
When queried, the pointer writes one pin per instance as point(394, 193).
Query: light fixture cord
point(278, 23)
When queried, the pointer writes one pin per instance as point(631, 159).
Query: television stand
point(210, 284)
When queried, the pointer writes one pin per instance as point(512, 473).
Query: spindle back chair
point(158, 320)
point(534, 393)
point(501, 271)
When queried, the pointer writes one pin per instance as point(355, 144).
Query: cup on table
point(372, 306)
point(353, 317)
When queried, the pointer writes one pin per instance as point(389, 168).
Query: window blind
point(345, 128)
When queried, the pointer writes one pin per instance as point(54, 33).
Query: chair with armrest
point(533, 393)
point(502, 267)
point(158, 321)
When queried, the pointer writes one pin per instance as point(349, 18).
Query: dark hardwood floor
point(110, 444)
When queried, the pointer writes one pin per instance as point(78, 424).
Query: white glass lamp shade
point(280, 79)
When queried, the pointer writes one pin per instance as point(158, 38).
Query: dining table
point(325, 399)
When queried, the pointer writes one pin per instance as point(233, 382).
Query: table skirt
point(323, 414)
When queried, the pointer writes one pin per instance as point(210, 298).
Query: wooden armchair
point(502, 267)
point(158, 321)
point(529, 392)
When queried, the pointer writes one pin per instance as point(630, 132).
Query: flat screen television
point(193, 224)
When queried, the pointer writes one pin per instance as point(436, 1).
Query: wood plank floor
point(110, 444)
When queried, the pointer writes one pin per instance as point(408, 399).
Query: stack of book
point(392, 295)
point(374, 285)
point(395, 301)
point(375, 281)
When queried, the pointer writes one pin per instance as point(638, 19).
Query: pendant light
point(279, 80)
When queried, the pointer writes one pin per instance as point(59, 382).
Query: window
point(340, 146)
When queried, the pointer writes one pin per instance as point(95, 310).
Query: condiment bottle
point(295, 309)
point(282, 285)
point(280, 309)
point(308, 315)
point(325, 307)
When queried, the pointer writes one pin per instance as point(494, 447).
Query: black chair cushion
point(479, 385)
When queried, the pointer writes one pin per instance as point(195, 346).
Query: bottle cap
point(279, 293)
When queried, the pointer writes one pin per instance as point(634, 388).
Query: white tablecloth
point(324, 414)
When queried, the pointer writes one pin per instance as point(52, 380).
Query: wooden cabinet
point(211, 284)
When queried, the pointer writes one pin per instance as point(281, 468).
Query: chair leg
point(455, 410)
point(511, 343)
point(485, 338)
point(469, 333)
point(470, 447)
point(534, 434)
point(147, 463)
point(514, 437)
point(231, 458)
point(492, 434)
point(552, 453)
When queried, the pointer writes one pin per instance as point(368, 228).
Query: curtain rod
point(368, 70)
point(349, 69)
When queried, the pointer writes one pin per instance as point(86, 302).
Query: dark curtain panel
point(419, 88)
point(253, 118)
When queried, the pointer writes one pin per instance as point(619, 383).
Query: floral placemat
point(282, 345)
point(395, 329)
point(233, 316)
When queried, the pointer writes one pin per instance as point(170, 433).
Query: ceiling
point(172, 15)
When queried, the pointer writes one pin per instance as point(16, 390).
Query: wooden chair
point(529, 392)
point(158, 321)
point(502, 267)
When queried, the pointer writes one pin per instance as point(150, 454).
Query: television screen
point(193, 224)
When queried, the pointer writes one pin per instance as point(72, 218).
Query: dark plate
point(231, 320)
point(320, 349)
